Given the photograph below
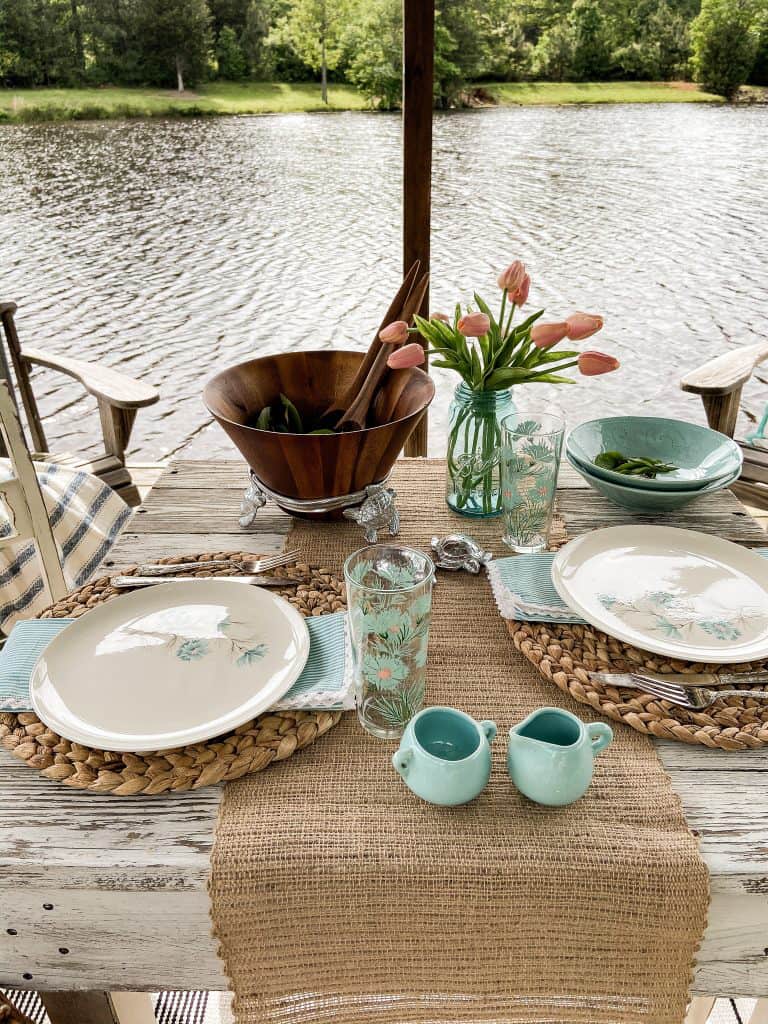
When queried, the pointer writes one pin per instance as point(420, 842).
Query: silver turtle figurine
point(459, 551)
point(376, 512)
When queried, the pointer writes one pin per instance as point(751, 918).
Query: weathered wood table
point(109, 893)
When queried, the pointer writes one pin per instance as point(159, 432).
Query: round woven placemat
point(253, 746)
point(566, 654)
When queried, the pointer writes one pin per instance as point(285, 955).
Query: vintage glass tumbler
point(389, 601)
point(531, 445)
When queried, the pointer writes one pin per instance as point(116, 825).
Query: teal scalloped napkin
point(524, 592)
point(326, 681)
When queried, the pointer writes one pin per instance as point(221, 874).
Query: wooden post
point(418, 69)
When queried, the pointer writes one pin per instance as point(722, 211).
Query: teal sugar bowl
point(551, 753)
point(445, 756)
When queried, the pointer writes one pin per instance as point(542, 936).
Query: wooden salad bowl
point(316, 466)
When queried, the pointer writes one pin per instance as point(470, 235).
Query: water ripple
point(170, 249)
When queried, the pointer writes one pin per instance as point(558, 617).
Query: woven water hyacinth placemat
point(339, 896)
point(253, 746)
point(566, 654)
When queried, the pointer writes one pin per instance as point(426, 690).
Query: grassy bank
point(537, 93)
point(26, 105)
point(29, 105)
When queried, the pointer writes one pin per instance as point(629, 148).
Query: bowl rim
point(690, 495)
point(317, 437)
point(662, 485)
point(641, 484)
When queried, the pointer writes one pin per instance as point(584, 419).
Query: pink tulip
point(474, 325)
point(408, 355)
point(440, 316)
point(510, 279)
point(520, 296)
point(593, 363)
point(583, 325)
point(395, 333)
point(547, 335)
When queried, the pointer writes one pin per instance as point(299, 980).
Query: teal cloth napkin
point(524, 592)
point(326, 681)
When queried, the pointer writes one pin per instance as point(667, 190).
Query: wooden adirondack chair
point(117, 395)
point(720, 382)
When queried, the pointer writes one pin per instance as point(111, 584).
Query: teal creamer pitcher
point(550, 757)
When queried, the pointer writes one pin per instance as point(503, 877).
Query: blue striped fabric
point(86, 517)
point(524, 592)
point(324, 683)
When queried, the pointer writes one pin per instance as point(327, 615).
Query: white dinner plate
point(675, 592)
point(169, 665)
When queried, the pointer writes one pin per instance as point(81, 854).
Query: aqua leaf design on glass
point(384, 671)
point(252, 654)
point(359, 571)
point(192, 650)
point(399, 709)
point(421, 605)
point(397, 575)
point(525, 429)
point(387, 622)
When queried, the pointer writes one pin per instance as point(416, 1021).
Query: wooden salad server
point(342, 404)
point(357, 414)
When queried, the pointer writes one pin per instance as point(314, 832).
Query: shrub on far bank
point(726, 36)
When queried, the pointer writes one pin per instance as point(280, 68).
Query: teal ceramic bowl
point(703, 456)
point(646, 501)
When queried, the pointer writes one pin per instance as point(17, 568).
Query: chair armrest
point(724, 374)
point(115, 388)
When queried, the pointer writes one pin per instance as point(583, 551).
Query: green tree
point(374, 42)
point(591, 45)
point(553, 55)
point(37, 45)
point(229, 55)
point(662, 50)
point(314, 30)
point(726, 35)
point(258, 21)
point(174, 41)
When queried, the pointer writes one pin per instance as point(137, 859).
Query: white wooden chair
point(118, 397)
point(23, 500)
point(719, 383)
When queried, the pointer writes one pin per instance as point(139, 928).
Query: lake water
point(169, 249)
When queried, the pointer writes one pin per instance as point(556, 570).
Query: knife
point(129, 582)
point(632, 679)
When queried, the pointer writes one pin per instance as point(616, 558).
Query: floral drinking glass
point(531, 444)
point(389, 600)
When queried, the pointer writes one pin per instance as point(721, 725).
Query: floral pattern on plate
point(680, 618)
point(233, 638)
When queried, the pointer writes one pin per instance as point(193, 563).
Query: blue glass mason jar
point(473, 479)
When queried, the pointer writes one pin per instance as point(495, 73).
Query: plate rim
point(668, 649)
point(198, 734)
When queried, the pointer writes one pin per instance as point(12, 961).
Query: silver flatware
point(686, 680)
point(250, 565)
point(132, 582)
point(693, 697)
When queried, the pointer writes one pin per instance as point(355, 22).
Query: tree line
point(183, 43)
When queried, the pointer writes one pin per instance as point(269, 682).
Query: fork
point(250, 566)
point(693, 697)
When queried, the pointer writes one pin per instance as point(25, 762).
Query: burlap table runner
point(337, 895)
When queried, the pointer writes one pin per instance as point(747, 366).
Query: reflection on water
point(171, 249)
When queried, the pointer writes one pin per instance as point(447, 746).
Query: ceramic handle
point(489, 728)
point(600, 735)
point(401, 759)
